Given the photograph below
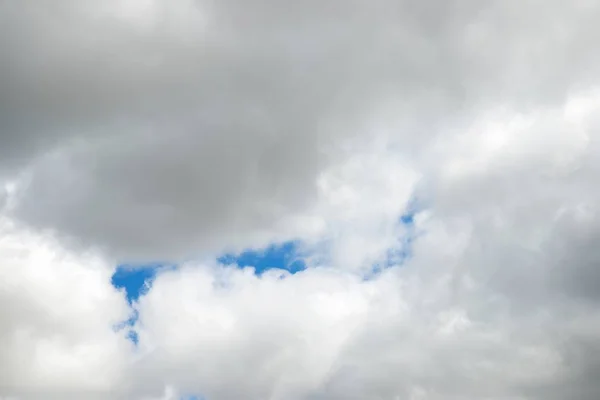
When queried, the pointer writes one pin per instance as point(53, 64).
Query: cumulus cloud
point(147, 130)
point(56, 320)
point(199, 123)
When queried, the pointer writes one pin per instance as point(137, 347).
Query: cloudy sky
point(311, 200)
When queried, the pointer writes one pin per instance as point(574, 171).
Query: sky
point(316, 200)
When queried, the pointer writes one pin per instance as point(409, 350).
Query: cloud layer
point(155, 131)
point(201, 123)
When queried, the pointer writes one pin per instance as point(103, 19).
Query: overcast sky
point(436, 162)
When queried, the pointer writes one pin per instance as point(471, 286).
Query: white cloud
point(155, 132)
point(56, 318)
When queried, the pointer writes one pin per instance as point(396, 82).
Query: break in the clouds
point(435, 165)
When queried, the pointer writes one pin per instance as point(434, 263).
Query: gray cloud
point(162, 132)
point(202, 117)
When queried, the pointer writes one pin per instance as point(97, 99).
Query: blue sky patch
point(135, 280)
point(133, 336)
point(286, 256)
point(399, 254)
point(408, 219)
point(131, 333)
